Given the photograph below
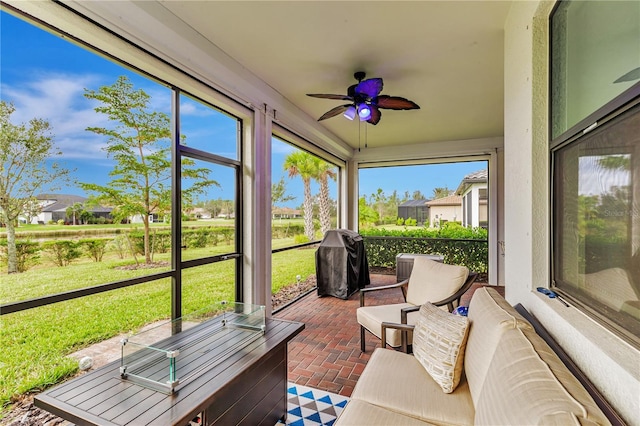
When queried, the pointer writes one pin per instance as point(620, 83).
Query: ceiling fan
point(365, 100)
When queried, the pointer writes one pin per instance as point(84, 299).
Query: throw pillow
point(439, 340)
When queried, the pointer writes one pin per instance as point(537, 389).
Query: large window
point(595, 151)
point(595, 56)
point(119, 204)
point(304, 196)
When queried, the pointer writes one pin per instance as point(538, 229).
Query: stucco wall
point(608, 361)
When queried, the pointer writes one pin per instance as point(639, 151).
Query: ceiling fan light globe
point(364, 112)
point(350, 113)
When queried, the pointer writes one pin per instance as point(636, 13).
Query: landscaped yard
point(36, 342)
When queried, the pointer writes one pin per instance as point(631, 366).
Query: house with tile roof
point(474, 192)
point(53, 207)
point(445, 209)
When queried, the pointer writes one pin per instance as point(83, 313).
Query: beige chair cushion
point(432, 281)
point(372, 317)
point(398, 382)
point(439, 341)
point(490, 316)
point(521, 389)
point(359, 413)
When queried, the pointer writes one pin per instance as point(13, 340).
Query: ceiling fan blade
point(370, 87)
point(328, 96)
point(334, 111)
point(634, 74)
point(395, 102)
point(376, 114)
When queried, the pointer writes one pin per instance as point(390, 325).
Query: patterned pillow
point(439, 340)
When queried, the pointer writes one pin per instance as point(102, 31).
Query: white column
point(257, 210)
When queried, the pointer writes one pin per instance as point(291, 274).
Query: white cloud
point(59, 99)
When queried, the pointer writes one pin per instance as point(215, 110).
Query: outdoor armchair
point(430, 281)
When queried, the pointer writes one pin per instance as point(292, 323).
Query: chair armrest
point(399, 285)
point(405, 311)
point(403, 327)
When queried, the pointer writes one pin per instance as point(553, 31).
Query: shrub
point(119, 245)
point(300, 239)
point(95, 247)
point(62, 252)
point(27, 253)
point(400, 221)
point(410, 222)
point(458, 245)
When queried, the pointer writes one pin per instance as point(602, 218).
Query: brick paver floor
point(326, 354)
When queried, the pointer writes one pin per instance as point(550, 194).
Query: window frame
point(611, 110)
point(146, 64)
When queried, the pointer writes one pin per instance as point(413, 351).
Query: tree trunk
point(325, 207)
point(147, 245)
point(12, 254)
point(308, 210)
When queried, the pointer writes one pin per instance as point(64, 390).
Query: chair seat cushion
point(372, 317)
point(398, 382)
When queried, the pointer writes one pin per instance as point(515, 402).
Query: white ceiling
point(447, 56)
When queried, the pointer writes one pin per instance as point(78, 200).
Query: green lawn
point(35, 343)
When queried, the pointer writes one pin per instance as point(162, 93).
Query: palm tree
point(324, 172)
point(440, 192)
point(300, 163)
point(75, 211)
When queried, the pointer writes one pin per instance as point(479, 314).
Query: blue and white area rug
point(313, 407)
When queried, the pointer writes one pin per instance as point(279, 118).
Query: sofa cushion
point(397, 382)
point(432, 281)
point(439, 340)
point(566, 379)
point(490, 316)
point(520, 388)
point(358, 413)
point(372, 317)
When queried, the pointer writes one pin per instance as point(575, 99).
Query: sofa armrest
point(402, 285)
point(403, 327)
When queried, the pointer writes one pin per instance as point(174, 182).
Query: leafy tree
point(300, 163)
point(367, 216)
point(279, 193)
point(139, 143)
point(379, 200)
point(24, 153)
point(31, 210)
point(324, 172)
point(213, 207)
point(417, 195)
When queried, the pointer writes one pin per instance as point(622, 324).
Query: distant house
point(53, 207)
point(445, 209)
point(474, 192)
point(199, 213)
point(285, 213)
point(414, 209)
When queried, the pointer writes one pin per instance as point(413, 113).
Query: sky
point(46, 77)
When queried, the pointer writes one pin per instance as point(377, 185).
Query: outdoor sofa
point(508, 375)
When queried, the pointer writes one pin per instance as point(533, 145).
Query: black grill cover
point(341, 264)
